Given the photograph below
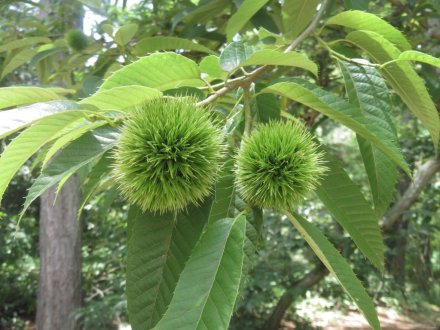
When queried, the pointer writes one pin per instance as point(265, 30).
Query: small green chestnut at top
point(278, 165)
point(168, 155)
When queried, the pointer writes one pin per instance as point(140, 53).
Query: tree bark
point(59, 291)
point(60, 285)
point(295, 290)
point(424, 175)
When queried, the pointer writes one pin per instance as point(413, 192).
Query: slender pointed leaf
point(29, 141)
point(297, 15)
point(22, 57)
point(244, 13)
point(152, 44)
point(69, 136)
point(224, 194)
point(14, 120)
point(216, 267)
point(413, 55)
point(23, 43)
point(402, 78)
point(347, 204)
point(367, 90)
point(274, 57)
point(361, 20)
point(162, 71)
point(234, 55)
point(121, 98)
point(14, 96)
point(158, 249)
point(84, 150)
point(337, 265)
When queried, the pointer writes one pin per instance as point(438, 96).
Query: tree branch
point(254, 75)
point(424, 175)
point(295, 290)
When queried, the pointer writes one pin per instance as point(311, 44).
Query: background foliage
point(411, 285)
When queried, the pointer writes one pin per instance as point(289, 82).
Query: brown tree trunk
point(294, 291)
point(59, 291)
point(59, 286)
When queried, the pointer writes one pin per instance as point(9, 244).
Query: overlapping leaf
point(158, 249)
point(345, 201)
point(337, 265)
point(14, 120)
point(274, 57)
point(297, 15)
point(361, 20)
point(216, 266)
point(162, 71)
point(14, 96)
point(121, 98)
point(343, 112)
point(234, 55)
point(402, 78)
point(17, 60)
point(29, 141)
point(244, 13)
point(367, 90)
point(23, 43)
point(152, 44)
point(413, 55)
point(83, 150)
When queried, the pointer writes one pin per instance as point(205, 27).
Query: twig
point(254, 75)
point(247, 110)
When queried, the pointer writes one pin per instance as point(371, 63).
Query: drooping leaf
point(337, 265)
point(345, 201)
point(341, 111)
point(121, 98)
point(14, 96)
point(361, 20)
point(158, 249)
point(14, 120)
point(413, 55)
point(99, 172)
point(297, 15)
point(29, 141)
point(22, 57)
point(244, 13)
point(234, 55)
point(70, 135)
point(216, 265)
point(224, 194)
point(274, 57)
point(152, 44)
point(367, 90)
point(125, 33)
point(83, 150)
point(210, 66)
point(162, 71)
point(23, 43)
point(402, 78)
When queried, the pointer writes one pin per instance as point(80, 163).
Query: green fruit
point(77, 40)
point(168, 155)
point(278, 165)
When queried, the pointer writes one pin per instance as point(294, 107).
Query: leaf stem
point(254, 75)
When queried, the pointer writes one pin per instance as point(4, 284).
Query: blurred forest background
point(288, 281)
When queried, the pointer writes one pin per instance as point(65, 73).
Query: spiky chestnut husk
point(77, 40)
point(168, 155)
point(278, 165)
